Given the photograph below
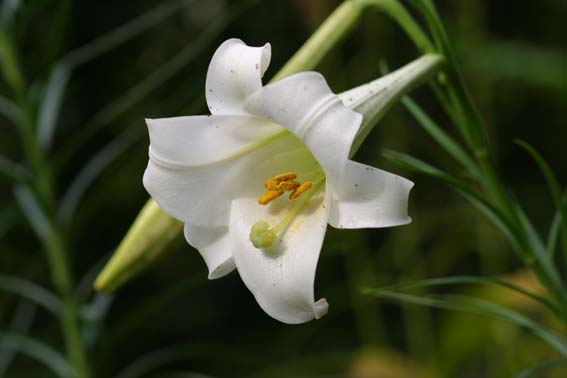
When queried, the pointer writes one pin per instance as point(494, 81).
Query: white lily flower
point(257, 181)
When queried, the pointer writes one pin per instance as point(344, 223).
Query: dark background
point(513, 55)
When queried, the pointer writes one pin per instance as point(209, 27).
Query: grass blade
point(22, 320)
point(38, 351)
point(442, 138)
point(93, 169)
point(166, 72)
point(540, 368)
point(9, 110)
point(554, 189)
point(465, 280)
point(12, 171)
point(32, 210)
point(31, 291)
point(475, 198)
point(476, 307)
point(61, 73)
point(552, 237)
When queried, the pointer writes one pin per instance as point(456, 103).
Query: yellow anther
point(269, 196)
point(280, 184)
point(300, 190)
point(271, 184)
point(287, 186)
point(285, 177)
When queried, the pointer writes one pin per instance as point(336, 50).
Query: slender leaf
point(165, 72)
point(9, 10)
point(12, 171)
point(553, 186)
point(62, 72)
point(93, 169)
point(541, 368)
point(22, 320)
point(51, 104)
point(540, 251)
point(552, 237)
point(442, 138)
point(465, 280)
point(477, 307)
point(38, 351)
point(31, 291)
point(93, 314)
point(475, 198)
point(32, 210)
point(9, 110)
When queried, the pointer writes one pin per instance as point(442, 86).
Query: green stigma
point(261, 236)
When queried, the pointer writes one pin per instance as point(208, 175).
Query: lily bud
point(147, 240)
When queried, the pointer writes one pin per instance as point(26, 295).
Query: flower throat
point(261, 235)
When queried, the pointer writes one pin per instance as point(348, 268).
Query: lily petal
point(281, 277)
point(197, 163)
point(213, 245)
point(235, 72)
point(305, 105)
point(368, 197)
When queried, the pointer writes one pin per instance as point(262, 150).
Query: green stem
point(340, 23)
point(399, 13)
point(42, 182)
point(70, 322)
point(331, 31)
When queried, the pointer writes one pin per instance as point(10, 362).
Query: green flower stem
point(399, 13)
point(42, 185)
point(331, 31)
point(340, 23)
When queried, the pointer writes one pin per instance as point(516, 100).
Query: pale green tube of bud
point(147, 240)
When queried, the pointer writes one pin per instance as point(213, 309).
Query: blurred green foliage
point(118, 62)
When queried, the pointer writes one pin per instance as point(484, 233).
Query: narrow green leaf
point(31, 291)
point(22, 320)
point(552, 236)
point(553, 186)
point(477, 307)
point(475, 198)
point(38, 351)
point(540, 368)
point(539, 250)
point(9, 110)
point(165, 72)
point(465, 280)
point(52, 100)
point(9, 10)
point(442, 138)
point(13, 171)
point(61, 74)
point(93, 169)
point(32, 210)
